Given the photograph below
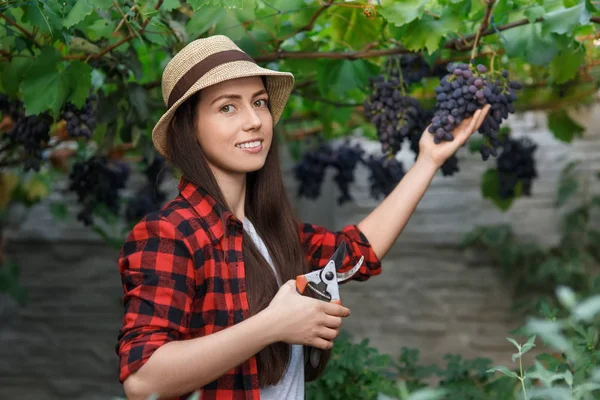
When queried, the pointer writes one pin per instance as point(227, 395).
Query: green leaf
point(351, 26)
point(170, 5)
point(197, 4)
point(567, 188)
point(14, 73)
point(402, 12)
point(587, 309)
point(527, 42)
point(43, 17)
point(427, 32)
point(490, 187)
point(504, 370)
point(203, 21)
point(513, 341)
point(592, 6)
point(138, 98)
point(79, 76)
point(563, 126)
point(80, 10)
point(564, 20)
point(342, 76)
point(59, 210)
point(534, 13)
point(44, 86)
point(528, 345)
point(565, 65)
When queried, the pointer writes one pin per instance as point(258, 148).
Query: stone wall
point(431, 295)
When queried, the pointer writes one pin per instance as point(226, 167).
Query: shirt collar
point(211, 212)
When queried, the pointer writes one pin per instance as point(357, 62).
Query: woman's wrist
point(425, 163)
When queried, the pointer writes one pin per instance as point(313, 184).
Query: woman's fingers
point(332, 322)
point(328, 333)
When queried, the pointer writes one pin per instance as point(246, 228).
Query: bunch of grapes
point(80, 121)
point(149, 198)
point(12, 108)
point(96, 181)
point(345, 160)
point(32, 132)
point(516, 164)
point(385, 173)
point(394, 114)
point(414, 68)
point(310, 171)
point(466, 89)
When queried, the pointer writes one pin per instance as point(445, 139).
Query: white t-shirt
point(292, 385)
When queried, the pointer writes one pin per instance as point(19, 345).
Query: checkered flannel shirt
point(182, 273)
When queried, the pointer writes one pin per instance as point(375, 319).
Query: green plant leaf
point(566, 64)
point(351, 26)
point(527, 42)
point(232, 4)
point(490, 187)
point(44, 87)
point(587, 309)
point(342, 76)
point(80, 10)
point(427, 32)
point(40, 15)
point(564, 20)
point(513, 341)
point(563, 126)
point(528, 345)
point(503, 370)
point(402, 12)
point(567, 188)
point(13, 74)
point(79, 76)
point(533, 13)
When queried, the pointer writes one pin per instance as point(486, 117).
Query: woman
point(209, 294)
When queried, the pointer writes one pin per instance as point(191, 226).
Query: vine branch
point(117, 44)
point(25, 32)
point(483, 26)
point(354, 55)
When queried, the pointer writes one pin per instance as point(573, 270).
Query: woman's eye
point(227, 108)
point(261, 102)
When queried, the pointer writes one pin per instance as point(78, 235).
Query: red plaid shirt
point(183, 277)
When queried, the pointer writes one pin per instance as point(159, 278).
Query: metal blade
point(342, 276)
point(339, 255)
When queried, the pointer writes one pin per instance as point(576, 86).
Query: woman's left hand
point(439, 153)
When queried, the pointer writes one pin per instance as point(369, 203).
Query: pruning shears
point(324, 284)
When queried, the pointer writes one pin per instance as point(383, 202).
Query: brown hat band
point(198, 71)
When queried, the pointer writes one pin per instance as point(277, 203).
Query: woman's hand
point(437, 154)
point(303, 320)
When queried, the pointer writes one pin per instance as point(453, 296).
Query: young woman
point(209, 293)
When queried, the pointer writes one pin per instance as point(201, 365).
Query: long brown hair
point(269, 209)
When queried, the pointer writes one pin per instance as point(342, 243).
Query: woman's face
point(234, 126)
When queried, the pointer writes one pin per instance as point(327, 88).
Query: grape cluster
point(414, 68)
point(385, 173)
point(466, 89)
point(516, 164)
point(345, 159)
point(80, 121)
point(32, 132)
point(310, 171)
point(96, 181)
point(394, 114)
point(12, 108)
point(149, 198)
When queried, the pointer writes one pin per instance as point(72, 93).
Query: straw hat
point(205, 62)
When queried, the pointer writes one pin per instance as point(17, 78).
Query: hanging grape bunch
point(310, 171)
point(515, 165)
point(96, 181)
point(32, 132)
point(385, 173)
point(80, 121)
point(466, 89)
point(394, 114)
point(345, 159)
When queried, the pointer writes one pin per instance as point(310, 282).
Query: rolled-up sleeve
point(320, 244)
point(157, 273)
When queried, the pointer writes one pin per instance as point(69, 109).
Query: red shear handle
point(301, 283)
